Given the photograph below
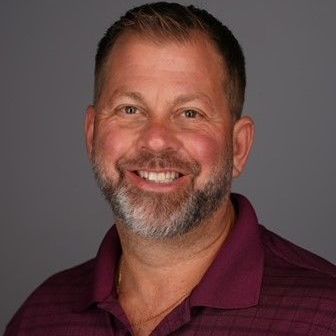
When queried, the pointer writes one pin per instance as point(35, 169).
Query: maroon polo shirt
point(259, 284)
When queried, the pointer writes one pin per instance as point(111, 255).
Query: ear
point(89, 129)
point(243, 138)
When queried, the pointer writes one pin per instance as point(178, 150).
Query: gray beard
point(157, 216)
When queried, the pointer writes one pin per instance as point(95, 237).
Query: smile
point(159, 177)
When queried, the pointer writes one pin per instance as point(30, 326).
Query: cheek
point(112, 143)
point(205, 149)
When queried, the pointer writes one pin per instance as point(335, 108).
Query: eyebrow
point(181, 99)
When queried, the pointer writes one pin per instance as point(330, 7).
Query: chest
point(264, 319)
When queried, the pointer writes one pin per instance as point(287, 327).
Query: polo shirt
point(258, 284)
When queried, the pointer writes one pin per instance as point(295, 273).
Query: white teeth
point(150, 176)
point(143, 174)
point(162, 177)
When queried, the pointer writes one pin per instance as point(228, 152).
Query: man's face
point(162, 130)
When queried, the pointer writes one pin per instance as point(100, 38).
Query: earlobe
point(89, 129)
point(243, 138)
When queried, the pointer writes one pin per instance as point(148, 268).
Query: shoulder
point(300, 285)
point(56, 298)
point(282, 252)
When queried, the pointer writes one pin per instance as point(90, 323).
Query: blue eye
point(191, 114)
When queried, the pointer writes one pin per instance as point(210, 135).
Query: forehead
point(136, 59)
point(144, 50)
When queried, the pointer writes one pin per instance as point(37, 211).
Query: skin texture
point(145, 106)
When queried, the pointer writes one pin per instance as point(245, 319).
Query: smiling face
point(161, 137)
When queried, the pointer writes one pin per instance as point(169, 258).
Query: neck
point(171, 267)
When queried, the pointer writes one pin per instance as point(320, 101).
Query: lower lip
point(147, 185)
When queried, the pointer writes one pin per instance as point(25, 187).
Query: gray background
point(52, 216)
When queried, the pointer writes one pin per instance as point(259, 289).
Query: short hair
point(161, 21)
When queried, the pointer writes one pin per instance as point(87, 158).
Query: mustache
point(161, 160)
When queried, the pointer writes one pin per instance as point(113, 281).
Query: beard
point(156, 215)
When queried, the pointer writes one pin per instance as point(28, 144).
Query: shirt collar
point(233, 280)
point(105, 271)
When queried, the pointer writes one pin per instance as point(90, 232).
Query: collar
point(105, 271)
point(233, 280)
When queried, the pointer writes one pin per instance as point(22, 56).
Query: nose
point(158, 137)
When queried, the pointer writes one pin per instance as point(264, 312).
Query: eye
point(130, 109)
point(191, 114)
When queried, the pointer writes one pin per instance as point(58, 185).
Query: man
point(165, 137)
